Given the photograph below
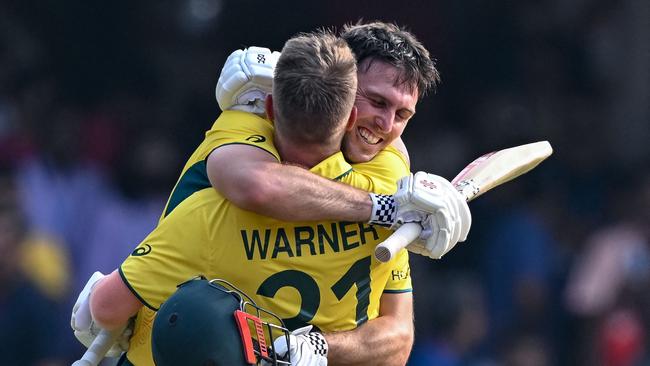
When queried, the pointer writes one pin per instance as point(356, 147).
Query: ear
point(268, 106)
point(352, 119)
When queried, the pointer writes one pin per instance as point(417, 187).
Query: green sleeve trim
point(135, 293)
point(195, 179)
point(343, 175)
point(398, 291)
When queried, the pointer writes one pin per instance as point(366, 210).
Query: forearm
point(112, 303)
point(296, 194)
point(379, 342)
point(251, 180)
point(386, 340)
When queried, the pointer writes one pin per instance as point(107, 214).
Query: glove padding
point(442, 211)
point(246, 79)
point(306, 348)
point(85, 329)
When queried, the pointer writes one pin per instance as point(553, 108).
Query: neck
point(305, 155)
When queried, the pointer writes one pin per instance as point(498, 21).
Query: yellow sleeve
point(172, 253)
point(235, 127)
point(380, 175)
point(400, 274)
point(232, 127)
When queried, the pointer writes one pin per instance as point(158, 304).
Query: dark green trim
point(195, 179)
point(343, 175)
point(398, 291)
point(126, 282)
point(124, 361)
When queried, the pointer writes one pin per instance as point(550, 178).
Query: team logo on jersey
point(143, 250)
point(256, 138)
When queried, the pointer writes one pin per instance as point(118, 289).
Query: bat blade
point(493, 169)
point(481, 175)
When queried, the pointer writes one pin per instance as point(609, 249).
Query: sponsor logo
point(428, 184)
point(256, 138)
point(143, 250)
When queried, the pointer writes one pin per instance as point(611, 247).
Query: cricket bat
point(481, 175)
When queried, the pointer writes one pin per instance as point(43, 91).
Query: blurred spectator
point(609, 283)
point(518, 259)
point(58, 190)
point(522, 348)
point(28, 317)
point(456, 324)
point(147, 170)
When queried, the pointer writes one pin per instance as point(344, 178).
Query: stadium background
point(100, 104)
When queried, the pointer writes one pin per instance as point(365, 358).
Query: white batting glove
point(85, 329)
point(435, 204)
point(246, 79)
point(306, 348)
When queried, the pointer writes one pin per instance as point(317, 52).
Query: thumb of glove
point(280, 344)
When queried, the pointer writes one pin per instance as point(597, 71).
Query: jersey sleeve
point(380, 175)
point(232, 127)
point(171, 254)
point(400, 275)
point(236, 127)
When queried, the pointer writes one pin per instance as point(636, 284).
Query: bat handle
point(402, 237)
point(98, 349)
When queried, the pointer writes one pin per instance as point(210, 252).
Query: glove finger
point(416, 248)
point(236, 79)
point(404, 189)
point(466, 221)
point(84, 337)
point(81, 318)
point(439, 242)
point(461, 212)
point(456, 201)
point(303, 330)
point(280, 346)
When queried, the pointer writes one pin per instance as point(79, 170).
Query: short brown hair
point(314, 86)
point(396, 46)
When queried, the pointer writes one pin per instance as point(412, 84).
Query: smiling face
point(384, 107)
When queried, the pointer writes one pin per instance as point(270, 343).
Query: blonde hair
point(314, 87)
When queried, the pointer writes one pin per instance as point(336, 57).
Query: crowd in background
point(100, 104)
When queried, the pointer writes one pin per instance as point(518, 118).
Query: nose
point(385, 121)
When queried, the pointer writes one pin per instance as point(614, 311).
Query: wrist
point(383, 210)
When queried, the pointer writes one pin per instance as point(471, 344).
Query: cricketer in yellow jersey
point(374, 97)
point(321, 273)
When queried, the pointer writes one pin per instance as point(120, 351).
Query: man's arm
point(253, 180)
point(112, 304)
point(385, 340)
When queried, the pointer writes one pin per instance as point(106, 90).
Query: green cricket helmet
point(212, 323)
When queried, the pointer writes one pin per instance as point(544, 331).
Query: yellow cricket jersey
point(321, 273)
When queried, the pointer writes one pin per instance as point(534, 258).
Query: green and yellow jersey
point(321, 273)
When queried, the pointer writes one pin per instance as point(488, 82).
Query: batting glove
point(85, 329)
point(306, 348)
point(246, 79)
point(434, 203)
